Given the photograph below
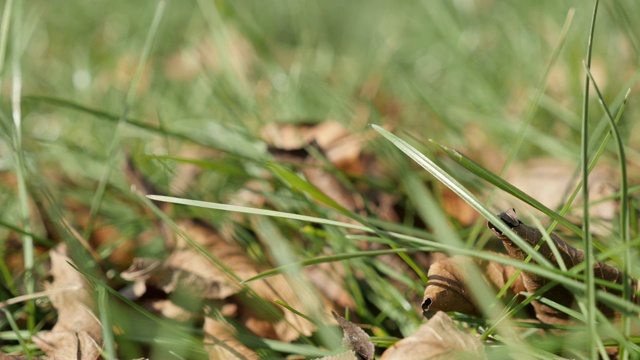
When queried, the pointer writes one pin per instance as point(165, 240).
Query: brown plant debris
point(438, 339)
point(569, 255)
point(77, 333)
point(223, 343)
point(188, 271)
point(355, 338)
point(558, 177)
point(347, 355)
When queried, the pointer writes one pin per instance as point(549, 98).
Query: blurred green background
point(432, 67)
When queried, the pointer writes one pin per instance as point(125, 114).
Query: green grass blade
point(256, 211)
point(502, 184)
point(461, 191)
point(107, 116)
point(20, 161)
point(590, 290)
point(297, 183)
point(4, 34)
point(540, 91)
point(16, 330)
point(332, 258)
point(108, 341)
point(624, 204)
point(113, 146)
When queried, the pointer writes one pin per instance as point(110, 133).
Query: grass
point(170, 85)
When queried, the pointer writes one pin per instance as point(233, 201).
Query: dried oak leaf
point(355, 338)
point(77, 333)
point(570, 256)
point(447, 291)
point(440, 339)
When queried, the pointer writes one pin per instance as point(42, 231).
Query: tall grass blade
point(21, 167)
point(4, 34)
point(16, 330)
point(504, 185)
point(533, 105)
point(113, 147)
point(590, 290)
point(108, 341)
point(332, 258)
point(461, 191)
point(624, 203)
point(255, 211)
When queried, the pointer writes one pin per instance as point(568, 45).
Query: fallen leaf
point(456, 207)
point(77, 333)
point(355, 338)
point(4, 356)
point(439, 338)
point(559, 179)
point(347, 355)
point(190, 271)
point(447, 290)
point(294, 136)
point(222, 342)
point(328, 278)
point(570, 256)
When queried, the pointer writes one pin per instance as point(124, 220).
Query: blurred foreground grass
point(465, 73)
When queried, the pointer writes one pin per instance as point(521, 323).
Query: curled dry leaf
point(447, 290)
point(439, 338)
point(77, 333)
point(570, 256)
point(355, 338)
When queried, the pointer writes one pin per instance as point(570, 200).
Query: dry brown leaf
point(456, 207)
point(77, 333)
point(328, 278)
point(355, 338)
point(314, 171)
point(224, 343)
point(570, 256)
point(559, 179)
point(291, 137)
point(329, 184)
point(447, 290)
point(5, 356)
point(347, 355)
point(187, 269)
point(342, 149)
point(440, 339)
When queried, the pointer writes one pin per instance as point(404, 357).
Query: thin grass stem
point(589, 283)
point(122, 121)
point(624, 205)
point(21, 168)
